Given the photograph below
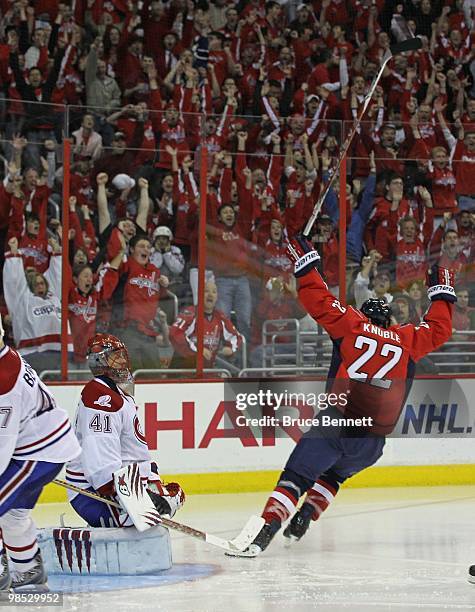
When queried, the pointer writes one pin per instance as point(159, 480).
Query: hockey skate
point(260, 542)
point(471, 574)
point(5, 578)
point(299, 523)
point(34, 579)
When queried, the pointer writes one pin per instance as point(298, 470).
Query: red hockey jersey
point(380, 363)
point(218, 332)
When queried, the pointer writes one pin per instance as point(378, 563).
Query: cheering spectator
point(166, 256)
point(34, 304)
point(380, 284)
point(141, 284)
point(84, 297)
point(221, 338)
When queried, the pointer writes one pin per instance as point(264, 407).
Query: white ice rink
point(375, 549)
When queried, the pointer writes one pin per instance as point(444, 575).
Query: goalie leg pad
point(105, 551)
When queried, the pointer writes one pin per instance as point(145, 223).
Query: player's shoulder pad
point(10, 366)
point(98, 396)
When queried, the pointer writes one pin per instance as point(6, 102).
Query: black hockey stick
point(413, 44)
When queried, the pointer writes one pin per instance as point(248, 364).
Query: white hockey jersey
point(36, 320)
point(32, 427)
point(110, 435)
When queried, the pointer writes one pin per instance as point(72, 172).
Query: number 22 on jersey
point(391, 352)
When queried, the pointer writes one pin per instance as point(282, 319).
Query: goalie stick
point(238, 544)
point(408, 45)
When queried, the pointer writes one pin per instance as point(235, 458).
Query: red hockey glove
point(441, 284)
point(302, 252)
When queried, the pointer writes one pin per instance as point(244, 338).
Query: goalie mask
point(377, 311)
point(108, 356)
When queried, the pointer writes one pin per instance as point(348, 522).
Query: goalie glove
point(167, 499)
point(441, 284)
point(303, 254)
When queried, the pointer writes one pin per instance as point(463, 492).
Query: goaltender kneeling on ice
point(115, 463)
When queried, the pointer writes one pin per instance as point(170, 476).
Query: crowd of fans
point(269, 89)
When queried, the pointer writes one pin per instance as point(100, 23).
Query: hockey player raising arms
point(36, 439)
point(374, 361)
point(109, 431)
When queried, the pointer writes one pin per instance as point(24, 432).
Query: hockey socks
point(19, 539)
point(321, 494)
point(284, 498)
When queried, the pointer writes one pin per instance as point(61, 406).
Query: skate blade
point(290, 540)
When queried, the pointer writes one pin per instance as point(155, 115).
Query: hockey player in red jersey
point(372, 359)
point(110, 435)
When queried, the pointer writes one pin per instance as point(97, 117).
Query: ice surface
point(374, 549)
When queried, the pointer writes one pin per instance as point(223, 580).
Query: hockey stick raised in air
point(407, 45)
point(239, 543)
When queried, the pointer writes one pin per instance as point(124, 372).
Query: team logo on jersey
point(123, 488)
point(138, 431)
point(104, 401)
point(47, 310)
point(88, 311)
point(150, 284)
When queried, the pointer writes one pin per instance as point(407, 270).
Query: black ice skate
point(260, 542)
point(299, 523)
point(34, 579)
point(5, 578)
point(471, 574)
point(264, 537)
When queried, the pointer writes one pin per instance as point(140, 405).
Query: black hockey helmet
point(377, 311)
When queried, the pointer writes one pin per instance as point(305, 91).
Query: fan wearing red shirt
point(141, 284)
point(277, 302)
point(220, 337)
point(84, 297)
point(379, 219)
point(463, 157)
point(33, 245)
point(452, 256)
point(275, 259)
point(372, 358)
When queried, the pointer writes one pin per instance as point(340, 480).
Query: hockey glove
point(303, 254)
point(441, 284)
point(166, 499)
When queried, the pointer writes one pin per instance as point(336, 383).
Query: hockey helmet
point(377, 311)
point(108, 356)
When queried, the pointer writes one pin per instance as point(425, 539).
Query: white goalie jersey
point(32, 427)
point(110, 435)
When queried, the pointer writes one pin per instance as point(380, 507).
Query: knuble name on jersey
point(369, 328)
